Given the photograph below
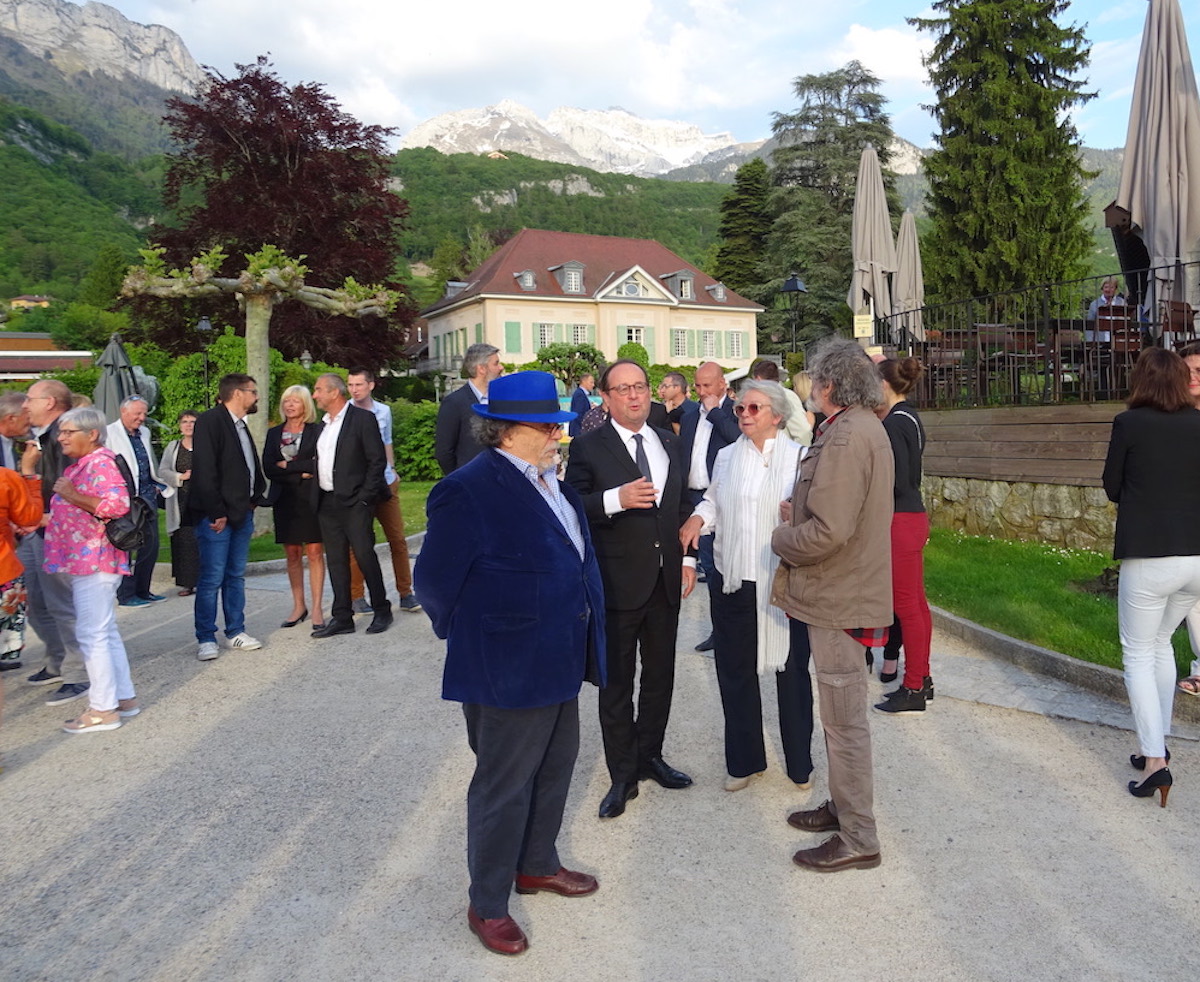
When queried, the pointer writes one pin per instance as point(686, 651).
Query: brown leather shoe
point(833, 856)
point(819, 819)
point(498, 934)
point(565, 882)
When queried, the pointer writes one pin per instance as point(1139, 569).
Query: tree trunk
point(258, 364)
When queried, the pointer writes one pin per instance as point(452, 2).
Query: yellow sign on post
point(863, 326)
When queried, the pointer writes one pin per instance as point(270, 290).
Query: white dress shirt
point(656, 454)
point(327, 447)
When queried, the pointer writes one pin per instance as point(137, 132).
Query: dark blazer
point(1152, 472)
point(358, 462)
point(658, 417)
point(454, 442)
point(522, 614)
point(632, 545)
point(220, 485)
point(580, 404)
point(305, 461)
point(725, 431)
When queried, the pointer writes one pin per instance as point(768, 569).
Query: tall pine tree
point(743, 229)
point(1006, 199)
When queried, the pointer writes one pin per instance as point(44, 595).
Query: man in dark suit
point(454, 442)
point(702, 434)
point(673, 394)
point(350, 484)
point(227, 482)
point(581, 401)
point(509, 578)
point(632, 482)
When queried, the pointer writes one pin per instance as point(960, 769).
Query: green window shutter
point(622, 334)
point(512, 336)
point(558, 333)
point(649, 345)
point(745, 343)
point(691, 344)
point(591, 334)
point(479, 334)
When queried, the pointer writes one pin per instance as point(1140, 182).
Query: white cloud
point(892, 53)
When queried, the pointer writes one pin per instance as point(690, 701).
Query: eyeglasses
point(751, 408)
point(253, 392)
point(31, 398)
point(63, 429)
point(548, 428)
point(637, 389)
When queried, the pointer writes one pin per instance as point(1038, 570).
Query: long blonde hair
point(301, 393)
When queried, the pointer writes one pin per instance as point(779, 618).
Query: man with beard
point(227, 482)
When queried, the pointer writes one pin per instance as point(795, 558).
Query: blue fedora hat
point(524, 397)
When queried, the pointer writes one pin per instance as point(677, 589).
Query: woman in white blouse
point(751, 479)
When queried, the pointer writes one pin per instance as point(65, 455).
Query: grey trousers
point(842, 690)
point(51, 612)
point(524, 759)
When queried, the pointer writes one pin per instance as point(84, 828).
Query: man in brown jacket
point(835, 575)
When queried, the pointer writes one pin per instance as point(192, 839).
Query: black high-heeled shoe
point(302, 617)
point(886, 677)
point(1159, 781)
point(1138, 762)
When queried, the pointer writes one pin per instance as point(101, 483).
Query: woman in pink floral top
point(90, 490)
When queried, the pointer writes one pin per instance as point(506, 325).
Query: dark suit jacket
point(659, 418)
point(305, 461)
point(632, 545)
point(725, 430)
point(454, 442)
point(522, 614)
point(1152, 472)
point(580, 404)
point(358, 462)
point(220, 485)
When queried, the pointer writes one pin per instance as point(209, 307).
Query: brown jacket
point(836, 555)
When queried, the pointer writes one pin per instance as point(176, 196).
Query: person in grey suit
point(454, 442)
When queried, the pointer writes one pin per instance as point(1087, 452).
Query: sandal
point(1190, 685)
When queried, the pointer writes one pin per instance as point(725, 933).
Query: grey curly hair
point(843, 364)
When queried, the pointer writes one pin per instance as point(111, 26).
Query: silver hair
point(86, 418)
point(134, 398)
point(843, 364)
point(489, 432)
point(476, 355)
point(775, 395)
point(337, 382)
point(11, 403)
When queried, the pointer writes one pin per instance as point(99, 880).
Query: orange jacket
point(20, 504)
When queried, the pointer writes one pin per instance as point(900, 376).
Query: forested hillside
point(60, 201)
point(447, 195)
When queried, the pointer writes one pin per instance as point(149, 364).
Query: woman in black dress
point(175, 469)
point(290, 462)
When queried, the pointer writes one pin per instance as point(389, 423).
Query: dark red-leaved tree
point(263, 163)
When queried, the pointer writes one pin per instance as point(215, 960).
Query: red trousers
point(910, 532)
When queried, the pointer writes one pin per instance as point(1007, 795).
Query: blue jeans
point(222, 568)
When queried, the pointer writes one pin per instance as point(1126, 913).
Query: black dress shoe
point(380, 623)
point(657, 769)
point(334, 627)
point(706, 645)
point(614, 802)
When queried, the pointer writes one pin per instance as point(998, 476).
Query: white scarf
point(773, 634)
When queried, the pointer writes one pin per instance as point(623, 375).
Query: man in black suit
point(454, 442)
point(350, 484)
point(702, 434)
point(581, 402)
point(227, 482)
point(631, 478)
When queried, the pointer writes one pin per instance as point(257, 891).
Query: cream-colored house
point(544, 287)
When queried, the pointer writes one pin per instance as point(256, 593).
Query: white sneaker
point(208, 651)
point(242, 641)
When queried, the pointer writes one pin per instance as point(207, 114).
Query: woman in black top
point(175, 468)
point(1152, 472)
point(910, 532)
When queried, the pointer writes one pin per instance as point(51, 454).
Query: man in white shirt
point(361, 383)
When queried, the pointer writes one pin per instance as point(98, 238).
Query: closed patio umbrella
point(117, 381)
point(908, 285)
point(1160, 176)
point(872, 245)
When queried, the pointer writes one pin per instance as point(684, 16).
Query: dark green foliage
point(413, 426)
point(635, 352)
point(82, 378)
point(744, 225)
point(1006, 198)
point(102, 285)
point(449, 194)
point(567, 362)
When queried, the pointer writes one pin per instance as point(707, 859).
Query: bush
point(413, 427)
point(634, 352)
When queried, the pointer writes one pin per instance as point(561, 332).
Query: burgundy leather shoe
point(498, 934)
point(833, 856)
point(565, 882)
point(819, 819)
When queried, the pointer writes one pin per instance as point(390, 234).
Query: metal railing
point(1044, 345)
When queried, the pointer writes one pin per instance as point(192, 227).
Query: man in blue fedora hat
point(508, 576)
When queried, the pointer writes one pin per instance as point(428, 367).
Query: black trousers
point(735, 636)
point(342, 530)
point(138, 584)
point(524, 759)
point(629, 740)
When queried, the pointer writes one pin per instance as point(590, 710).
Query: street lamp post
point(795, 286)
point(204, 329)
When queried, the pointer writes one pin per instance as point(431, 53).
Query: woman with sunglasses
point(751, 479)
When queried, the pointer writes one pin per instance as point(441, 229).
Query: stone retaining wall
point(1075, 517)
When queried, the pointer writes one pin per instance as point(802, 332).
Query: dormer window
point(527, 280)
point(681, 284)
point(685, 289)
point(569, 276)
point(717, 292)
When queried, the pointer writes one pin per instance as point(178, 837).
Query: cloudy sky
point(724, 65)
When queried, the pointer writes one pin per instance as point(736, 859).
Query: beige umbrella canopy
point(1160, 177)
point(908, 285)
point(873, 247)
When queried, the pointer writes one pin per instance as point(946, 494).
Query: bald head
point(710, 384)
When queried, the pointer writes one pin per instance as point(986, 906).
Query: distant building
point(26, 301)
point(24, 356)
point(544, 287)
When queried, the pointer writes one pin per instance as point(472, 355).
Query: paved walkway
point(298, 814)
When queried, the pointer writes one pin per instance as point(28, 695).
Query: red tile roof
point(605, 259)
